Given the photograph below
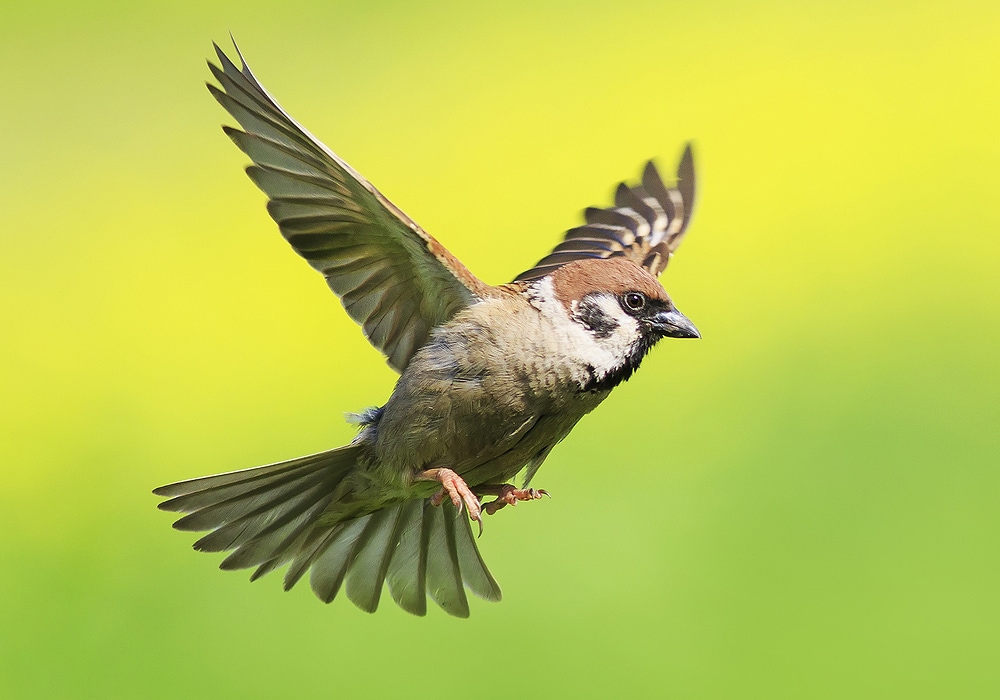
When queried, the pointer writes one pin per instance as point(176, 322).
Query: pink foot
point(454, 487)
point(508, 495)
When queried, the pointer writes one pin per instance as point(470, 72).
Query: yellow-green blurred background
point(801, 505)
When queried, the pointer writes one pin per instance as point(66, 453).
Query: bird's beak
point(673, 324)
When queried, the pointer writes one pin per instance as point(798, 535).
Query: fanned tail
point(268, 516)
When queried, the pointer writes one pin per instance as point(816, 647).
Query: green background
point(803, 504)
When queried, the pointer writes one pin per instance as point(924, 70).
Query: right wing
point(393, 278)
point(646, 224)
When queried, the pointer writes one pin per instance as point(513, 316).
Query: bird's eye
point(634, 301)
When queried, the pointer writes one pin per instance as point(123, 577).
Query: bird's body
point(492, 377)
point(493, 387)
point(486, 424)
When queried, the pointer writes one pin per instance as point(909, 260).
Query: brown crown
point(575, 280)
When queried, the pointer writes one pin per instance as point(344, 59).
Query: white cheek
point(577, 345)
point(620, 342)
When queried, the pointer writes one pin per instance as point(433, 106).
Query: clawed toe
point(454, 487)
point(508, 495)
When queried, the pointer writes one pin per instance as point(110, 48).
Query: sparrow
point(491, 377)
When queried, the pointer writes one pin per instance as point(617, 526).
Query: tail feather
point(444, 577)
point(407, 574)
point(284, 553)
point(205, 484)
point(276, 537)
point(236, 527)
point(330, 566)
point(239, 512)
point(474, 572)
point(368, 571)
point(253, 502)
point(269, 516)
point(214, 505)
point(315, 544)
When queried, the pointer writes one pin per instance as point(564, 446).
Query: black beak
point(673, 324)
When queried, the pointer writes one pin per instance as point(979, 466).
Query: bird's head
point(623, 311)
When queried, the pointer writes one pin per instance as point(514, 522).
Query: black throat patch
point(620, 374)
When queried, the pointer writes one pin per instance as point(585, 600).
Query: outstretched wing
point(394, 279)
point(646, 224)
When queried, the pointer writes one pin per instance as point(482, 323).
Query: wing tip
point(687, 184)
point(685, 167)
point(650, 171)
point(235, 134)
point(244, 68)
point(226, 61)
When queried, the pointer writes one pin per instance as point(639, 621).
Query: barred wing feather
point(646, 224)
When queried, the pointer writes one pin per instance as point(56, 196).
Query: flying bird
point(491, 377)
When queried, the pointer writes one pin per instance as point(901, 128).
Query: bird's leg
point(454, 486)
point(507, 495)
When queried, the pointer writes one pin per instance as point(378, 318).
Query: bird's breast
point(487, 387)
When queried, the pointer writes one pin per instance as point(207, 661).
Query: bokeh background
point(801, 505)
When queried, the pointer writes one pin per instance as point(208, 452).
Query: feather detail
point(407, 573)
point(368, 571)
point(340, 223)
point(646, 224)
point(444, 575)
point(270, 516)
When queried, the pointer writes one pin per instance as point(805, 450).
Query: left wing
point(393, 278)
point(646, 224)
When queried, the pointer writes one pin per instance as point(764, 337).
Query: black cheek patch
point(590, 314)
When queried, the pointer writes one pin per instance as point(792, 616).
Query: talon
point(454, 486)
